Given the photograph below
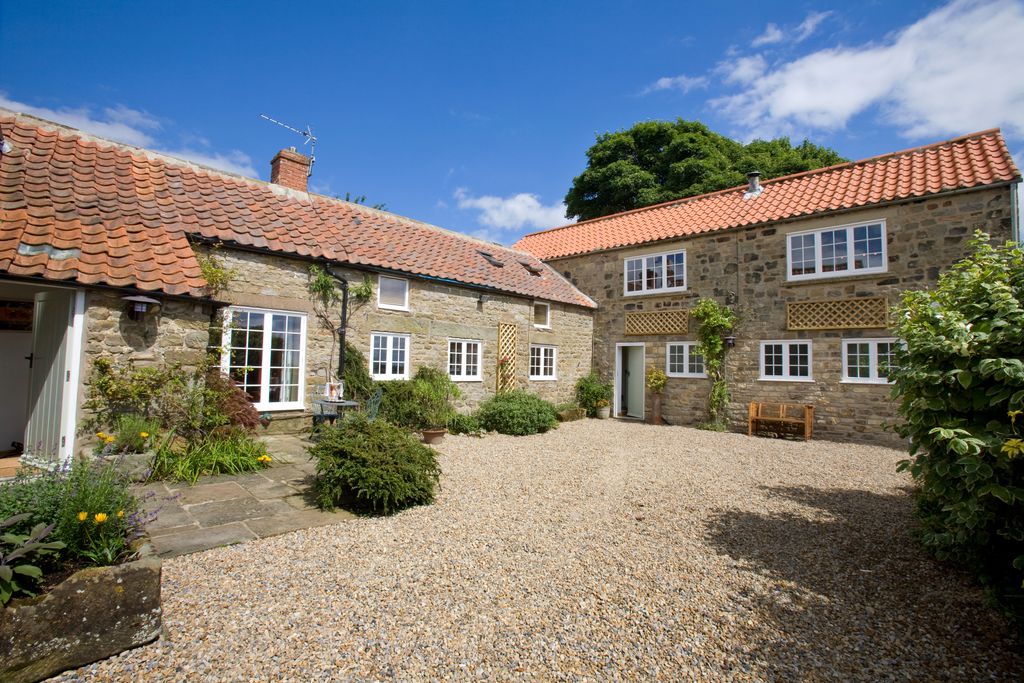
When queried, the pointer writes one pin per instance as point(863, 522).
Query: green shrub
point(16, 574)
point(90, 505)
point(423, 402)
point(132, 434)
point(459, 423)
point(960, 385)
point(373, 467)
point(589, 390)
point(358, 383)
point(232, 452)
point(517, 413)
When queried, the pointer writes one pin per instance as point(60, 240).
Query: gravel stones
point(600, 551)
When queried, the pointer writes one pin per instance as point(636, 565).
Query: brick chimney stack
point(290, 169)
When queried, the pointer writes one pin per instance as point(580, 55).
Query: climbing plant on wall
point(716, 322)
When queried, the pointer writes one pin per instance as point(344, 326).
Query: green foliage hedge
point(373, 467)
point(590, 389)
point(423, 402)
point(517, 413)
point(960, 384)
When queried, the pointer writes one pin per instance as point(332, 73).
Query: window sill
point(466, 379)
point(541, 327)
point(802, 380)
point(278, 407)
point(656, 292)
point(876, 382)
point(385, 307)
point(678, 375)
point(817, 279)
point(543, 379)
point(388, 378)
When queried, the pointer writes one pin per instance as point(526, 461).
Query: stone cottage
point(101, 253)
point(810, 262)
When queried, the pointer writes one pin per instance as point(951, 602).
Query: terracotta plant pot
point(433, 436)
point(656, 411)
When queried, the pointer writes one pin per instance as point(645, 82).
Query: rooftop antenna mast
point(308, 134)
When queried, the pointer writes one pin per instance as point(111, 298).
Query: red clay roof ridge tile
point(816, 171)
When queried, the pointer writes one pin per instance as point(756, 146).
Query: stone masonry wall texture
point(748, 266)
point(437, 312)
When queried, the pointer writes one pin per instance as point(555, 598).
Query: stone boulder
point(94, 614)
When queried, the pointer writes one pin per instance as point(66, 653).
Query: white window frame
point(664, 273)
point(392, 307)
point(852, 270)
point(554, 363)
point(478, 377)
point(389, 348)
point(547, 324)
point(786, 377)
point(872, 360)
point(688, 351)
point(225, 356)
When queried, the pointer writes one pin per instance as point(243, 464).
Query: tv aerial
point(308, 134)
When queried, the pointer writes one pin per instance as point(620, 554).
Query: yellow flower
point(264, 458)
point(99, 517)
point(110, 439)
point(120, 514)
point(144, 435)
point(101, 435)
point(82, 516)
point(1014, 414)
point(1013, 448)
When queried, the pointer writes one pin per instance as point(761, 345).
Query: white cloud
point(742, 70)
point(951, 72)
point(120, 123)
point(515, 212)
point(809, 25)
point(683, 83)
point(772, 34)
point(134, 127)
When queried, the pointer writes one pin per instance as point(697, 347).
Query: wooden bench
point(784, 419)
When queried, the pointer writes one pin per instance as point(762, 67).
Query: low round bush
point(464, 424)
point(517, 413)
point(373, 467)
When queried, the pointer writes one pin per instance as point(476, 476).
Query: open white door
point(629, 380)
point(47, 436)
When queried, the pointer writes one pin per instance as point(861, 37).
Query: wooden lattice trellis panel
point(657, 322)
point(838, 314)
point(506, 375)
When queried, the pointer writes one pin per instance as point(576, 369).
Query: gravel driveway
point(601, 551)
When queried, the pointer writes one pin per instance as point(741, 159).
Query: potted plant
point(602, 408)
point(591, 391)
point(656, 381)
point(433, 392)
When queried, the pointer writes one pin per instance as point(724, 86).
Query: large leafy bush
point(373, 466)
point(960, 384)
point(423, 402)
point(592, 390)
point(517, 413)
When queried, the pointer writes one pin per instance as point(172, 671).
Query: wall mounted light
point(137, 307)
point(730, 341)
point(482, 299)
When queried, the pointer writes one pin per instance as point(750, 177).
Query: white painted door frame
point(618, 375)
point(63, 439)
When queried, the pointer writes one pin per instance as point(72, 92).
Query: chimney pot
point(754, 188)
point(290, 169)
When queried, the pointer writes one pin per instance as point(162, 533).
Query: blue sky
point(476, 116)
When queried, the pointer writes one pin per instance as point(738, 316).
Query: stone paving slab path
point(228, 509)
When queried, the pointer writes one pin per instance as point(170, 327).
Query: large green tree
point(656, 161)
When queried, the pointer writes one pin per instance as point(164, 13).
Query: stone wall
point(437, 312)
point(747, 268)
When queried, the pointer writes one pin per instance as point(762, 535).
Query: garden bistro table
point(329, 410)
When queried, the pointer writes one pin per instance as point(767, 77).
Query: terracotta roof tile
point(971, 161)
point(130, 213)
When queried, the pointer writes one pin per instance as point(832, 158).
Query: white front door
point(47, 438)
point(629, 380)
